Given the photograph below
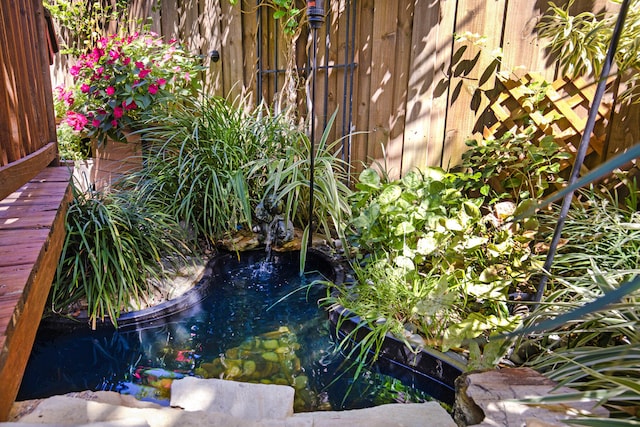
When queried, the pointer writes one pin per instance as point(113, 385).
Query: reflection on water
point(260, 323)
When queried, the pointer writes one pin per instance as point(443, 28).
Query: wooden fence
point(416, 94)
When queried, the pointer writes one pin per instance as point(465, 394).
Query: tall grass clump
point(211, 163)
point(114, 246)
point(197, 163)
point(284, 179)
point(597, 354)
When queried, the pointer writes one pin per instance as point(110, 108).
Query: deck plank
point(32, 230)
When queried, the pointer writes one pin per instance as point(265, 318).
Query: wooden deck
point(32, 230)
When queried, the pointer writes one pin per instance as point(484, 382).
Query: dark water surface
point(260, 322)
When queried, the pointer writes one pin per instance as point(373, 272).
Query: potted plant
point(119, 81)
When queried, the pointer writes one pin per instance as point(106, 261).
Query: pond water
point(259, 322)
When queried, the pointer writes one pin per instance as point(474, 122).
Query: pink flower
point(114, 54)
point(76, 120)
point(85, 88)
point(110, 90)
point(114, 123)
point(126, 60)
point(95, 123)
point(161, 82)
point(144, 73)
point(75, 70)
point(187, 77)
point(96, 54)
point(117, 112)
point(131, 106)
point(139, 64)
point(153, 89)
point(64, 95)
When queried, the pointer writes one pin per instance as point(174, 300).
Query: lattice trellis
point(560, 111)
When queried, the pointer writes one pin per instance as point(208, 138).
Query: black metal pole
point(315, 14)
point(582, 148)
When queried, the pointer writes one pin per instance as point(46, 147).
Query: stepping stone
point(240, 400)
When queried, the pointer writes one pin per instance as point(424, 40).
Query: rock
point(240, 400)
point(395, 414)
point(63, 410)
point(488, 399)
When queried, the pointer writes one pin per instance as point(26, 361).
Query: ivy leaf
point(403, 228)
point(369, 178)
point(472, 327)
point(427, 245)
point(404, 262)
point(390, 194)
point(412, 180)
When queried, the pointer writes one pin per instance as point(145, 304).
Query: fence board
point(210, 30)
point(427, 94)
point(400, 78)
point(363, 84)
point(250, 51)
point(170, 20)
point(522, 51)
point(466, 97)
point(381, 108)
point(232, 51)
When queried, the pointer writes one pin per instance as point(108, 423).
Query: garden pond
point(252, 319)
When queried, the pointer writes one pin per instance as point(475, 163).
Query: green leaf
point(404, 228)
point(370, 178)
point(390, 194)
point(427, 245)
point(404, 262)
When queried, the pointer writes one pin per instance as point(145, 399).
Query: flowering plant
point(121, 78)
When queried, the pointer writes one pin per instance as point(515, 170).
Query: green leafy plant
point(514, 166)
point(71, 145)
point(114, 245)
point(284, 178)
point(199, 159)
point(289, 13)
point(596, 352)
point(453, 268)
point(82, 23)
